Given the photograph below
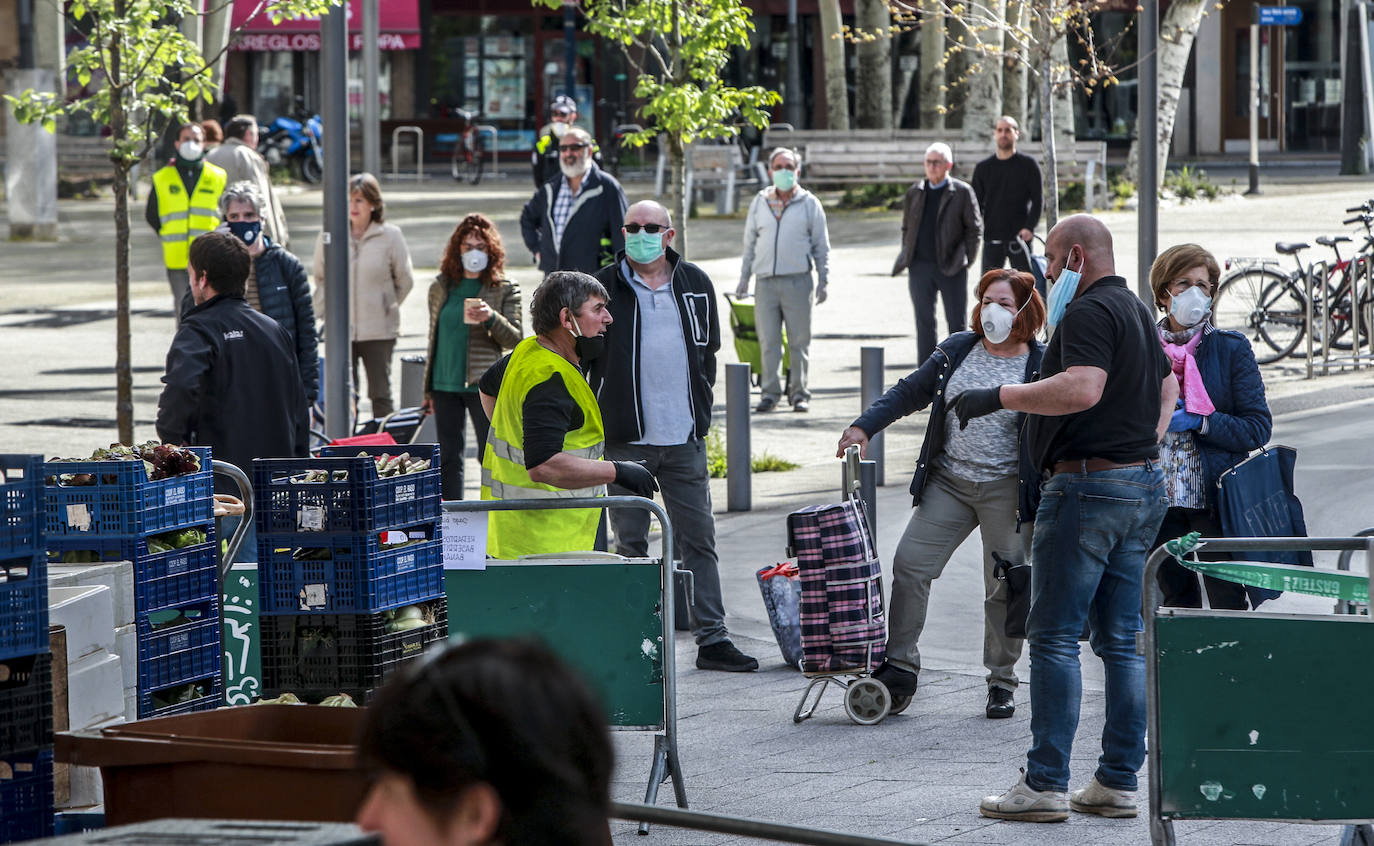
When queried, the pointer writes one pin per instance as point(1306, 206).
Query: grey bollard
point(412, 380)
point(738, 475)
point(870, 390)
point(868, 492)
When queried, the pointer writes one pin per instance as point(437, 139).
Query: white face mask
point(475, 261)
point(190, 150)
point(996, 319)
point(558, 129)
point(1190, 307)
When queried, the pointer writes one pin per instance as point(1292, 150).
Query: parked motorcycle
point(287, 138)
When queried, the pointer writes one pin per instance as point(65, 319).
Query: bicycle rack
point(419, 151)
point(1319, 272)
point(488, 129)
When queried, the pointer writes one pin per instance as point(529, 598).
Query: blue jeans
point(1092, 534)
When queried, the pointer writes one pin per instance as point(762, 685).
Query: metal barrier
point(542, 573)
point(701, 821)
point(1343, 564)
point(419, 151)
point(1238, 688)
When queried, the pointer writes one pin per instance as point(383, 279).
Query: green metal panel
point(242, 653)
point(1265, 718)
point(602, 617)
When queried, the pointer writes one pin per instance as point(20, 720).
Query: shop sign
point(310, 41)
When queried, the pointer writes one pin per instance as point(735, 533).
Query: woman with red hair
point(474, 317)
point(967, 477)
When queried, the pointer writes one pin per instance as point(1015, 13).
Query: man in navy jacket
point(573, 221)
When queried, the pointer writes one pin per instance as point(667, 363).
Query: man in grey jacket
point(784, 235)
point(239, 157)
point(941, 228)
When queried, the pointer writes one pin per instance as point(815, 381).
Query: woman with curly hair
point(474, 317)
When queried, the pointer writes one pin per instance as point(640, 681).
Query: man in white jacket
point(784, 235)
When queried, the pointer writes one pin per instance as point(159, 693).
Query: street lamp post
point(1147, 111)
point(338, 391)
point(794, 85)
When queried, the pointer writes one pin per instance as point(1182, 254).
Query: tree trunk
point(1014, 67)
point(932, 65)
point(119, 128)
point(832, 51)
point(874, 78)
point(983, 89)
point(678, 202)
point(1176, 34)
point(1048, 169)
point(1063, 93)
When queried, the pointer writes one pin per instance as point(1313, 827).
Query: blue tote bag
point(1255, 499)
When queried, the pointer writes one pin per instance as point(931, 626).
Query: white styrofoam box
point(87, 788)
point(87, 612)
point(118, 576)
point(126, 647)
point(131, 703)
point(95, 690)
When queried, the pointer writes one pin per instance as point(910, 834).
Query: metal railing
point(419, 151)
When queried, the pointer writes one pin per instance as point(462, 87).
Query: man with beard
point(1009, 193)
point(573, 220)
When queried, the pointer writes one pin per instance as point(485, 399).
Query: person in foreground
point(1095, 421)
point(966, 477)
point(489, 742)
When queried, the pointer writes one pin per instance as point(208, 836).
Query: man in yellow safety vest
point(184, 203)
point(546, 439)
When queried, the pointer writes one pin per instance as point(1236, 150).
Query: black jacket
point(232, 385)
point(284, 292)
point(926, 387)
point(614, 376)
point(592, 235)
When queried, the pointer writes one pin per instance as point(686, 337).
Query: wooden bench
point(721, 167)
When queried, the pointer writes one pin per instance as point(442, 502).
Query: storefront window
point(273, 86)
point(355, 85)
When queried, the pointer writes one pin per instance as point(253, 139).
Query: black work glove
point(636, 478)
point(976, 403)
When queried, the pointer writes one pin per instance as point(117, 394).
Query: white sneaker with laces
point(1025, 803)
point(1104, 801)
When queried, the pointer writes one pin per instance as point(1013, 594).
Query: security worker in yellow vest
point(546, 439)
point(184, 203)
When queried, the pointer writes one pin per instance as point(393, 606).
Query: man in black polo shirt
point(1096, 418)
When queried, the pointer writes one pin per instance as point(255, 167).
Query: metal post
point(868, 491)
point(794, 84)
point(738, 474)
point(570, 54)
point(871, 388)
point(27, 60)
point(1254, 98)
point(338, 388)
point(1147, 107)
point(372, 101)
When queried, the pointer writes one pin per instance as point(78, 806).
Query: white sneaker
point(1103, 801)
point(1025, 803)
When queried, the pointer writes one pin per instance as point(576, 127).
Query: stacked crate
point(340, 550)
point(176, 592)
point(26, 786)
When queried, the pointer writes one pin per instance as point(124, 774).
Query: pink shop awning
point(400, 28)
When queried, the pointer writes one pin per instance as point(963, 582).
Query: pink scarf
point(1194, 393)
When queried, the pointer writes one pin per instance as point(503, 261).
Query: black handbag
point(1017, 577)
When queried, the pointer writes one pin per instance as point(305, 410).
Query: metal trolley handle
point(224, 468)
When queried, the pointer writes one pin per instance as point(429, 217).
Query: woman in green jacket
point(474, 317)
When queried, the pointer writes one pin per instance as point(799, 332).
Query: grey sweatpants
point(779, 301)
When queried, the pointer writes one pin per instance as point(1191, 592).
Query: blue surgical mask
point(246, 231)
point(644, 247)
point(1065, 286)
point(784, 180)
point(1190, 307)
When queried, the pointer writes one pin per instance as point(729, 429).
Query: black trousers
point(996, 253)
point(450, 409)
point(1179, 584)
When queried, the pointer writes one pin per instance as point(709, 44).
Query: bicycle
point(468, 149)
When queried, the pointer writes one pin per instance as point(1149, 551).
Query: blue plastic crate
point(21, 505)
point(23, 605)
point(25, 703)
point(150, 703)
point(25, 796)
point(162, 579)
point(360, 576)
point(123, 501)
point(361, 502)
point(178, 654)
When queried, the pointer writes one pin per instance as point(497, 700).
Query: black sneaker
point(898, 682)
point(1001, 703)
point(726, 657)
point(765, 405)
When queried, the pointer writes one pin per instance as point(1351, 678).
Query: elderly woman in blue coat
point(1221, 416)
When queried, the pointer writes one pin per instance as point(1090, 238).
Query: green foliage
point(764, 462)
point(1189, 183)
point(1072, 197)
point(879, 195)
point(1119, 188)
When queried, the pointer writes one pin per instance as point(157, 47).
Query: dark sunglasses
point(563, 148)
point(651, 228)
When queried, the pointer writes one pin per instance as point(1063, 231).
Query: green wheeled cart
point(746, 334)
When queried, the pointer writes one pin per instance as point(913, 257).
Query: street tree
point(148, 74)
point(680, 49)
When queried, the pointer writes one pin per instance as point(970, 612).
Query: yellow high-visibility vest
point(185, 216)
point(511, 534)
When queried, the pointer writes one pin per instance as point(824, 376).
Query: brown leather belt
point(1091, 465)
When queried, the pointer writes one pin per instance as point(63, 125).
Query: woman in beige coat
point(474, 317)
point(379, 279)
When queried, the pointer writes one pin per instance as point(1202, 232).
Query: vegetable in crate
point(284, 699)
point(339, 700)
point(407, 618)
point(160, 461)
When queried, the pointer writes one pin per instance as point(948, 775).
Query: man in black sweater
point(1007, 185)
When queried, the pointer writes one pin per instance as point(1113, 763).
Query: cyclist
point(544, 156)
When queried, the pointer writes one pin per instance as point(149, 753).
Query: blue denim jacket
point(926, 387)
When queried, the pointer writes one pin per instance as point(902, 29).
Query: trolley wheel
point(867, 701)
point(899, 704)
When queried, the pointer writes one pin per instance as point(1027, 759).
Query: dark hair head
point(507, 713)
point(562, 289)
point(1176, 261)
point(371, 190)
point(224, 260)
point(238, 126)
point(481, 226)
point(191, 126)
point(213, 133)
point(1030, 314)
